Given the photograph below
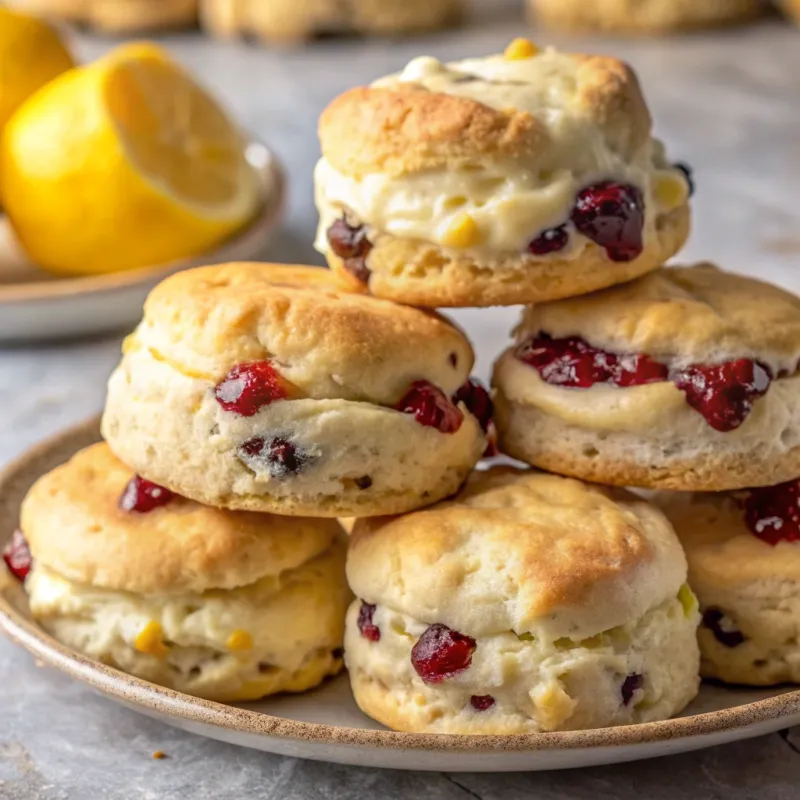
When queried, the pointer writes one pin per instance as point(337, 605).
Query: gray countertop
point(728, 103)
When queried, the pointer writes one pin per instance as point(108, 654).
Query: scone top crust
point(681, 315)
point(523, 551)
point(554, 110)
point(326, 341)
point(74, 526)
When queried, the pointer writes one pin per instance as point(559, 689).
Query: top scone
point(268, 388)
point(518, 178)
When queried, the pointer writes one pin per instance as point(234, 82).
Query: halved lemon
point(121, 164)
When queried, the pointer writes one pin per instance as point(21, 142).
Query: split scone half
point(515, 178)
point(685, 379)
point(743, 550)
point(230, 606)
point(270, 388)
point(528, 602)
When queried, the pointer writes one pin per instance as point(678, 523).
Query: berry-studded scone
point(528, 602)
point(270, 388)
point(641, 16)
point(119, 16)
point(743, 550)
point(289, 21)
point(516, 178)
point(221, 604)
point(685, 379)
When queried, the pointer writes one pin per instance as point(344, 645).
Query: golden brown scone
point(221, 604)
point(289, 21)
point(685, 379)
point(528, 602)
point(791, 8)
point(641, 17)
point(117, 16)
point(271, 388)
point(493, 181)
point(743, 550)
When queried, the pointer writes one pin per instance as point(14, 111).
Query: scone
point(117, 16)
point(269, 388)
point(685, 379)
point(743, 550)
point(290, 21)
point(527, 603)
point(641, 16)
point(516, 178)
point(791, 8)
point(225, 605)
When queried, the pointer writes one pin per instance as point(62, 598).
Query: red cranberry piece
point(369, 630)
point(249, 387)
point(722, 627)
point(143, 496)
point(688, 173)
point(612, 215)
point(17, 556)
point(430, 407)
point(351, 244)
point(278, 456)
point(549, 241)
point(475, 397)
point(773, 512)
point(724, 393)
point(441, 653)
point(631, 683)
point(481, 702)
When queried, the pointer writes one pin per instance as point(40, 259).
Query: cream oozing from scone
point(640, 671)
point(508, 202)
point(233, 644)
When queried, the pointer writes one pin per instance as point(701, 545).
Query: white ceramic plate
point(326, 724)
point(37, 306)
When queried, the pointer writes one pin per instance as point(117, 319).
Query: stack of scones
point(256, 404)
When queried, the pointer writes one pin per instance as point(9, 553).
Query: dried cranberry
point(351, 244)
point(481, 702)
point(17, 556)
point(369, 630)
point(574, 363)
point(441, 653)
point(249, 387)
point(724, 393)
point(143, 496)
point(773, 512)
point(278, 456)
point(474, 396)
point(631, 683)
point(364, 482)
point(612, 215)
point(722, 627)
point(430, 407)
point(549, 241)
point(688, 173)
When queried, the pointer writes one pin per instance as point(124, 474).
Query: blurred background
point(721, 77)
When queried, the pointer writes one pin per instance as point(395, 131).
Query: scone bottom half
point(288, 394)
point(229, 606)
point(512, 214)
point(686, 379)
point(508, 610)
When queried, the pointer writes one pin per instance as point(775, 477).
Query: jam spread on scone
point(474, 396)
point(550, 240)
point(772, 513)
point(143, 496)
point(248, 388)
point(369, 630)
point(441, 653)
point(17, 556)
point(431, 407)
point(351, 244)
point(725, 632)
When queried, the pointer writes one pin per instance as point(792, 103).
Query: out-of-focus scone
point(522, 177)
point(791, 8)
point(297, 20)
point(641, 16)
point(270, 388)
point(685, 379)
point(743, 550)
point(225, 605)
point(529, 602)
point(117, 16)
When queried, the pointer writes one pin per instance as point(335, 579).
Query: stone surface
point(728, 103)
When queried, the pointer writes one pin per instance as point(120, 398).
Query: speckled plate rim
point(156, 699)
point(272, 188)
